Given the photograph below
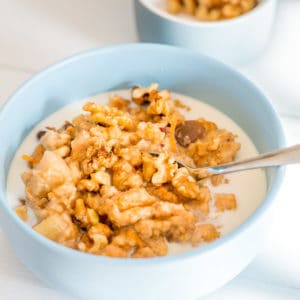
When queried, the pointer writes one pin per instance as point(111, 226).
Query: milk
point(248, 186)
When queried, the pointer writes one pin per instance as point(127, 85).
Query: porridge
point(91, 183)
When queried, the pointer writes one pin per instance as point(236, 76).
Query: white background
point(35, 33)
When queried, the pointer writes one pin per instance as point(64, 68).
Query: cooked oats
point(94, 187)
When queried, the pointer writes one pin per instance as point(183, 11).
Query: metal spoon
point(285, 156)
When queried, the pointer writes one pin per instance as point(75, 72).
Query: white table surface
point(34, 34)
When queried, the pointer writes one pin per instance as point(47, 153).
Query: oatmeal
point(211, 10)
point(94, 187)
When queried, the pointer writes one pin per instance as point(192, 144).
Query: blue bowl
point(234, 41)
point(185, 276)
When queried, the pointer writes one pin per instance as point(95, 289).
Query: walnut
point(132, 155)
point(225, 202)
point(204, 233)
point(160, 107)
point(21, 211)
point(218, 147)
point(125, 176)
point(141, 95)
point(149, 167)
point(185, 184)
point(108, 116)
point(164, 193)
point(165, 167)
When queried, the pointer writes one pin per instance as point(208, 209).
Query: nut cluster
point(94, 187)
point(211, 10)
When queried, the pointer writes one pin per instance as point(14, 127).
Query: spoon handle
point(290, 155)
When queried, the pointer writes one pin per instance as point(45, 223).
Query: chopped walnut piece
point(108, 116)
point(119, 103)
point(127, 239)
point(63, 151)
point(158, 245)
point(149, 167)
point(143, 253)
point(201, 204)
point(217, 179)
point(177, 225)
point(99, 234)
point(160, 107)
point(114, 251)
point(88, 185)
point(164, 193)
point(185, 184)
point(150, 132)
point(101, 177)
point(204, 233)
point(225, 202)
point(217, 147)
point(133, 198)
point(174, 6)
point(36, 156)
point(152, 228)
point(86, 216)
point(133, 156)
point(141, 95)
point(126, 208)
point(165, 169)
point(125, 176)
point(21, 211)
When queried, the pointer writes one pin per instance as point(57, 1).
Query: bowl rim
point(143, 47)
point(206, 24)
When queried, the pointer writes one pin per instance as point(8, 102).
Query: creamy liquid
point(239, 183)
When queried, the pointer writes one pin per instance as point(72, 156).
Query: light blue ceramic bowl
point(185, 276)
point(234, 41)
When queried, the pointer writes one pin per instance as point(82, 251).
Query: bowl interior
point(141, 64)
